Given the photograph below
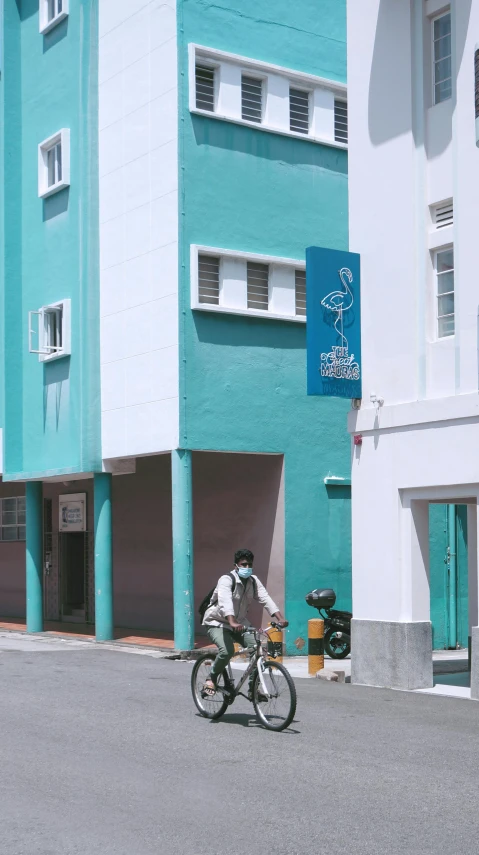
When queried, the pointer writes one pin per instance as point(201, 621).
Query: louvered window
point(444, 214)
point(251, 98)
point(205, 88)
point(258, 286)
point(300, 289)
point(340, 121)
point(208, 279)
point(299, 111)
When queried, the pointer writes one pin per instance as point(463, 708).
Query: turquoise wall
point(51, 411)
point(243, 381)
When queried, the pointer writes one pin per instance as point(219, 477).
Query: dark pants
point(225, 640)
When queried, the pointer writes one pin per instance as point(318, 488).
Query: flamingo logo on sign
point(339, 363)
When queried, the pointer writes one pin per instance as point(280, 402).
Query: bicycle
point(273, 692)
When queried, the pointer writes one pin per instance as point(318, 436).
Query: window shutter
point(208, 279)
point(258, 286)
point(300, 287)
point(444, 214)
point(205, 88)
point(299, 111)
point(251, 98)
point(340, 121)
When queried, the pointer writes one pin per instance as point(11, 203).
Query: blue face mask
point(244, 572)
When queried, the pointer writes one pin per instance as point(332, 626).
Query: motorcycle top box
point(321, 598)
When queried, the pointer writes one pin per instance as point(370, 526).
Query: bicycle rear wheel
point(277, 712)
point(209, 707)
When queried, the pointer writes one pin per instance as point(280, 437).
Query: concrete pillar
point(34, 555)
point(103, 557)
point(473, 563)
point(398, 653)
point(183, 584)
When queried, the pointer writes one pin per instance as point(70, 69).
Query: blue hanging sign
point(333, 322)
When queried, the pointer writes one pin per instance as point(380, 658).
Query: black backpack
point(205, 602)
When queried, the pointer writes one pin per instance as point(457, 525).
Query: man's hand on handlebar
point(279, 621)
point(235, 626)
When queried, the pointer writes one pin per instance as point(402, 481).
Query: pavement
point(103, 752)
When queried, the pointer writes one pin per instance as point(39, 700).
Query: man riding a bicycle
point(226, 616)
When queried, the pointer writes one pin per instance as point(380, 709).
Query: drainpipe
point(451, 519)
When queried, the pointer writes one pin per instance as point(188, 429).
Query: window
point(300, 292)
point(12, 519)
point(52, 334)
point(299, 111)
point(251, 98)
point(208, 279)
point(443, 214)
point(272, 98)
point(340, 121)
point(445, 292)
point(258, 286)
point(243, 283)
point(54, 164)
point(442, 71)
point(51, 13)
point(205, 88)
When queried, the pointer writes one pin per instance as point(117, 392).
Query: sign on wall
point(333, 323)
point(72, 512)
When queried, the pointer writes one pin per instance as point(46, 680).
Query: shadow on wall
point(389, 110)
point(56, 204)
point(237, 505)
point(238, 331)
point(54, 375)
point(269, 146)
point(56, 35)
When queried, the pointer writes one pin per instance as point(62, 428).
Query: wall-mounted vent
point(251, 98)
point(205, 88)
point(300, 292)
point(258, 286)
point(299, 110)
point(208, 279)
point(443, 214)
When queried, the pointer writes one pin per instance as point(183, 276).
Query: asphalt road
point(103, 752)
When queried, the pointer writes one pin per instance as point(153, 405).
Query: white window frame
point(62, 137)
point(16, 525)
point(432, 20)
point(44, 23)
point(277, 265)
point(323, 92)
point(437, 251)
point(47, 352)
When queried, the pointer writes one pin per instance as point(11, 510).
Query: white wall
point(138, 226)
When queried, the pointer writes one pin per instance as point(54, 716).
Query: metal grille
point(476, 75)
point(251, 98)
point(300, 286)
point(208, 279)
point(340, 121)
point(444, 214)
point(205, 88)
point(299, 111)
point(258, 290)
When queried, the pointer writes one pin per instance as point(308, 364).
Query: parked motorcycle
point(337, 623)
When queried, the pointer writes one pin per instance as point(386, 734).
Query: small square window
point(12, 519)
point(50, 331)
point(54, 163)
point(51, 13)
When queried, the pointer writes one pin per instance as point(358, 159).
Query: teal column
point(103, 557)
point(452, 554)
point(34, 555)
point(183, 587)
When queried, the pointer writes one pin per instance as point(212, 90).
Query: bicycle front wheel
point(209, 707)
point(277, 710)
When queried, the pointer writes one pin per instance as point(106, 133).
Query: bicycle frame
point(257, 661)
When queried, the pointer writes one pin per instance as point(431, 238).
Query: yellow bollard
point(315, 645)
point(275, 645)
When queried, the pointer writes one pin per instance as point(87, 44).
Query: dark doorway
point(72, 576)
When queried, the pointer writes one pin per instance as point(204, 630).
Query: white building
point(414, 191)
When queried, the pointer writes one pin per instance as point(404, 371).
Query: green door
point(448, 575)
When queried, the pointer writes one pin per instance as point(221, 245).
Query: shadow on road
point(247, 720)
